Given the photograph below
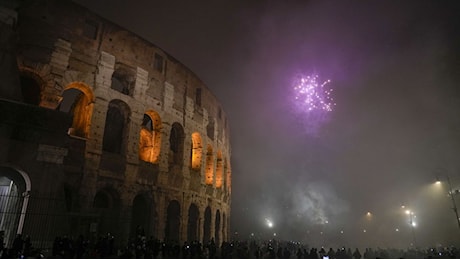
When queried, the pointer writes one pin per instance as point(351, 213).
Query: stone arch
point(15, 185)
point(107, 204)
point(150, 137)
point(116, 127)
point(176, 144)
point(196, 152)
point(207, 225)
point(142, 212)
point(172, 228)
point(192, 225)
point(209, 166)
point(217, 231)
point(78, 100)
point(31, 86)
point(219, 170)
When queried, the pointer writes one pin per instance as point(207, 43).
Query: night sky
point(395, 71)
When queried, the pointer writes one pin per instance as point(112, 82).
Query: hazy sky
point(394, 67)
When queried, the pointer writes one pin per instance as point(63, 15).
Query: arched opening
point(140, 216)
point(209, 166)
point(196, 152)
point(78, 101)
point(14, 185)
point(150, 137)
point(31, 87)
point(116, 127)
point(217, 230)
point(107, 204)
point(219, 170)
point(224, 227)
point(176, 144)
point(207, 226)
point(123, 81)
point(172, 229)
point(192, 225)
point(210, 128)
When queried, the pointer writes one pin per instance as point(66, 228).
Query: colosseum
point(103, 132)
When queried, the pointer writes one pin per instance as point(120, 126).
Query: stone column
point(104, 70)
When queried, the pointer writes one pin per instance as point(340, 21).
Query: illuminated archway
point(197, 150)
point(78, 100)
point(209, 166)
point(219, 170)
point(150, 137)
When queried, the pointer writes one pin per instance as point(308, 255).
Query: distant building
point(103, 132)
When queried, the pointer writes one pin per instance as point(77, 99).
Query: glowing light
point(312, 100)
point(312, 94)
point(269, 223)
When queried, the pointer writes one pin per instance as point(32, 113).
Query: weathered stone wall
point(63, 47)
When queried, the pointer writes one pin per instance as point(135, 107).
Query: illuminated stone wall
point(147, 144)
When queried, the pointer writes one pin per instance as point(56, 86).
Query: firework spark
point(313, 101)
point(312, 95)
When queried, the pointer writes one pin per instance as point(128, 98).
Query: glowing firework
point(313, 95)
point(313, 101)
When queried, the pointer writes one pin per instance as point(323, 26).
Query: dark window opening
point(120, 85)
point(158, 62)
point(198, 97)
point(101, 200)
point(30, 90)
point(174, 140)
point(90, 29)
point(147, 122)
point(113, 132)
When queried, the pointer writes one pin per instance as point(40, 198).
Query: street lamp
point(451, 195)
point(412, 223)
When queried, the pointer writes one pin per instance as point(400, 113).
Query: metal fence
point(43, 218)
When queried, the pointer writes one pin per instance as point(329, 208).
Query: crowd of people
point(143, 247)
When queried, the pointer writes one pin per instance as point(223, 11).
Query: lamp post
point(451, 195)
point(412, 225)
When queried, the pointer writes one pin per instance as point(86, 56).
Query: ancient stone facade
point(102, 131)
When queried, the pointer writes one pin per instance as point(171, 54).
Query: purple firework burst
point(313, 95)
point(313, 101)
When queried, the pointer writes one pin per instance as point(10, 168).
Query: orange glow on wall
point(219, 170)
point(209, 166)
point(150, 139)
point(196, 151)
point(82, 110)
